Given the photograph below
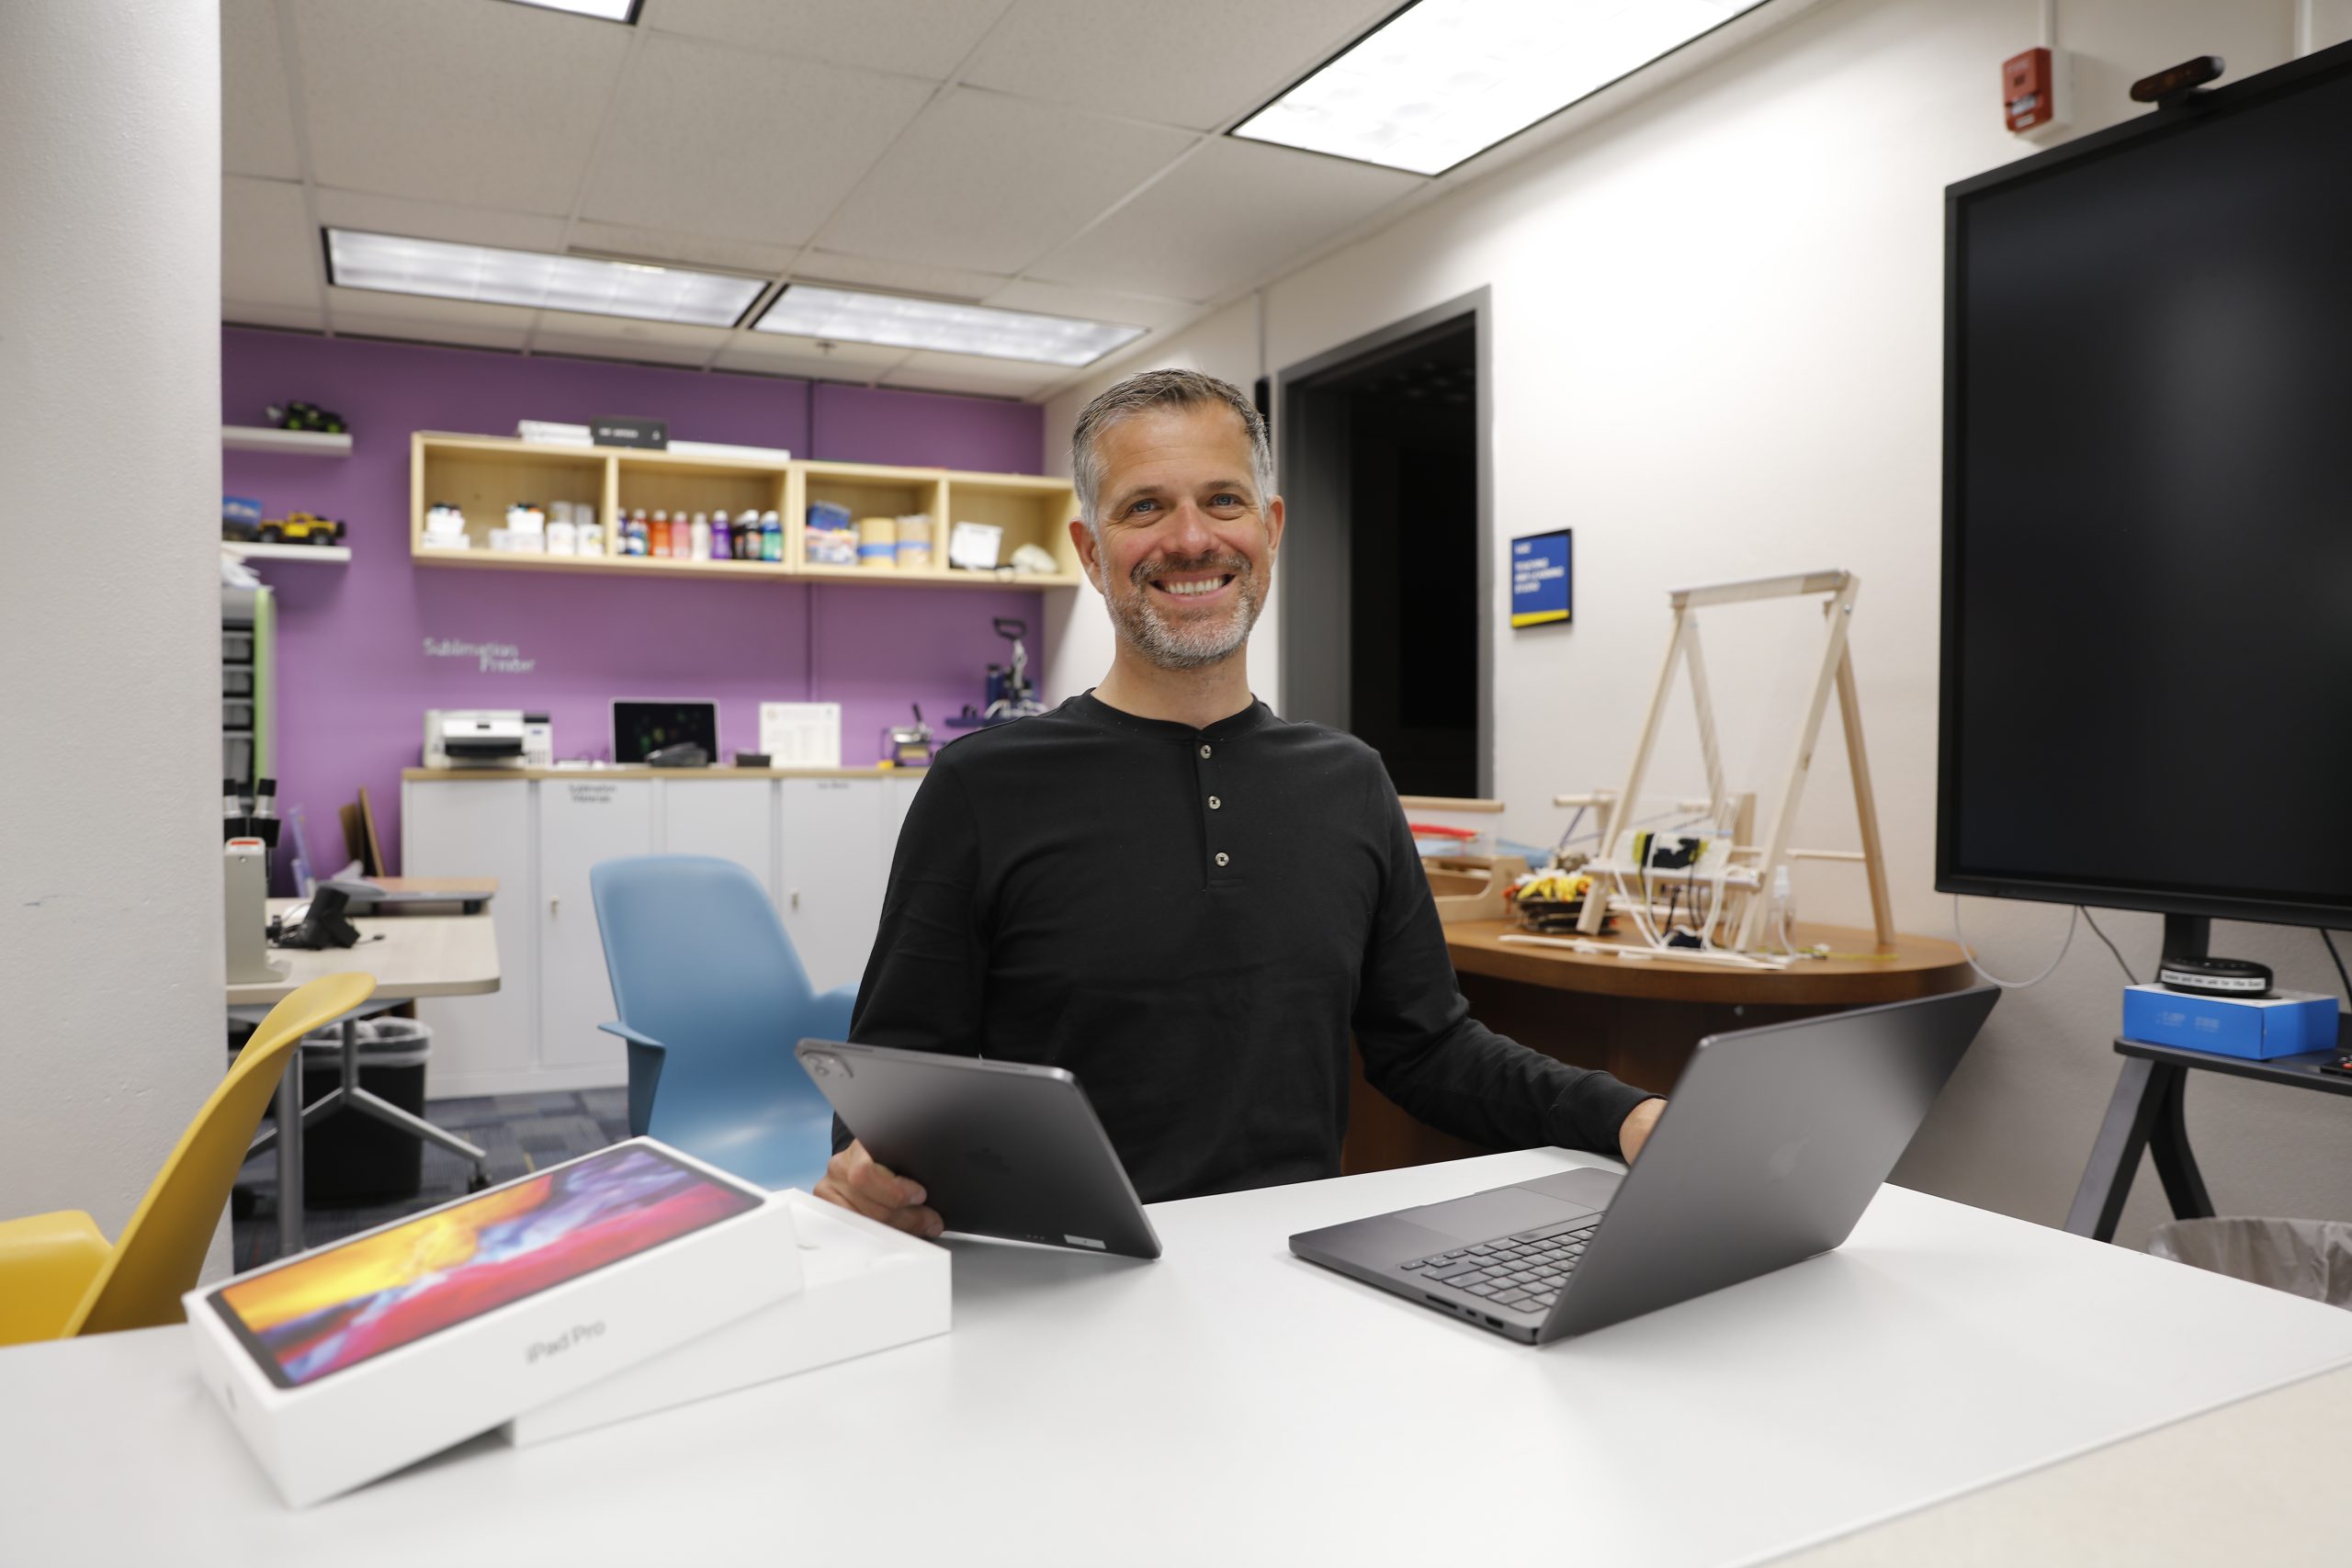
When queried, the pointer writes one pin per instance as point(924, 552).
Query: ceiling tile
point(437, 220)
point(915, 37)
point(1233, 213)
point(779, 354)
point(1200, 63)
point(707, 140)
point(269, 252)
point(257, 105)
point(968, 373)
point(419, 319)
point(661, 342)
point(306, 319)
point(1092, 304)
point(455, 100)
point(990, 183)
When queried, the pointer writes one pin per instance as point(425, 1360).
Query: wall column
point(110, 942)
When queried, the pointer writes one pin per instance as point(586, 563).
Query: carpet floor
point(521, 1132)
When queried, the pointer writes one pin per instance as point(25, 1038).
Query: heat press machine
point(1011, 693)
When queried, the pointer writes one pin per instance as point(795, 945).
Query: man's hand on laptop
point(854, 1180)
point(1632, 1133)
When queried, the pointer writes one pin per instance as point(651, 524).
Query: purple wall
point(354, 678)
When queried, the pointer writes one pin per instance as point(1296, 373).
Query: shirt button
point(1222, 858)
point(1204, 752)
point(1215, 803)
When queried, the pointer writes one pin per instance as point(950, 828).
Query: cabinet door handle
point(796, 897)
point(552, 901)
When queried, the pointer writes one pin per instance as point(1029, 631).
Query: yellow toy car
point(301, 529)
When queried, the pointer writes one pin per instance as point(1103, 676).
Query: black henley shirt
point(1193, 921)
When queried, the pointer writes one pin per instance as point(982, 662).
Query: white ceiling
point(1064, 156)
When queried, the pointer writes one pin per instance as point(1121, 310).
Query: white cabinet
point(821, 846)
point(731, 819)
point(485, 1044)
point(581, 822)
point(829, 837)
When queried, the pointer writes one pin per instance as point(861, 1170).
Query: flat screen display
point(348, 1304)
point(2147, 670)
point(642, 728)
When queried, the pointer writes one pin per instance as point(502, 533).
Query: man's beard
point(1141, 623)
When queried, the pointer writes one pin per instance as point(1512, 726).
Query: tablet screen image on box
point(347, 1303)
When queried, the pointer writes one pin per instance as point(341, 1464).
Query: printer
point(487, 737)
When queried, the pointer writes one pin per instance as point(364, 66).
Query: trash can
point(351, 1158)
point(2307, 1258)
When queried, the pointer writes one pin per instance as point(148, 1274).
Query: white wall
point(110, 945)
point(1718, 319)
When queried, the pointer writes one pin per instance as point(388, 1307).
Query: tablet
point(1001, 1148)
point(352, 1300)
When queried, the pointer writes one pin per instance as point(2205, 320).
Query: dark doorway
point(1383, 631)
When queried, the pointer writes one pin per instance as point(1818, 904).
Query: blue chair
point(712, 1000)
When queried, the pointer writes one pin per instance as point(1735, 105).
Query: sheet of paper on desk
point(801, 734)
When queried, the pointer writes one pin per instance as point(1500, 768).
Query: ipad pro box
point(865, 1287)
point(350, 1361)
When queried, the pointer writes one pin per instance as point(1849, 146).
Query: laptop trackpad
point(1586, 1185)
point(1506, 1210)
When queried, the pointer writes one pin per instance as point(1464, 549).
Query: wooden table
point(1638, 1021)
point(410, 956)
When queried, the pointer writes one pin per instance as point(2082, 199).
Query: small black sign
point(653, 432)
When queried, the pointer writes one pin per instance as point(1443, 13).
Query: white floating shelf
point(324, 555)
point(261, 438)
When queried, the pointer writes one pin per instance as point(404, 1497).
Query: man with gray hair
point(1187, 902)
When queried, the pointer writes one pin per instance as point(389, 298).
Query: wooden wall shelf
point(483, 474)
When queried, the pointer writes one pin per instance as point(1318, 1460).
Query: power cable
point(2110, 946)
point(2072, 919)
point(2329, 937)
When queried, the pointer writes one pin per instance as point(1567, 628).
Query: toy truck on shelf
point(301, 529)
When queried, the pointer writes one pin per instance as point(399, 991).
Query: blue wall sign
point(1539, 578)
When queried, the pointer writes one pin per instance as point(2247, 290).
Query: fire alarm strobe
point(2037, 93)
point(2214, 976)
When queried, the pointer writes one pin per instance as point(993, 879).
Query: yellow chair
point(57, 1276)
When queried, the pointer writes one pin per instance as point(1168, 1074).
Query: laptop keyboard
point(1522, 1272)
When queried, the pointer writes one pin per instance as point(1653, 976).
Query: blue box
point(2286, 1024)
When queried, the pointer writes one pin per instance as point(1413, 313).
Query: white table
point(410, 956)
point(1231, 1404)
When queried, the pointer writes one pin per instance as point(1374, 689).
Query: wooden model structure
point(1742, 879)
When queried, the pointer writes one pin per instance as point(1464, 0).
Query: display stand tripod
point(2145, 1113)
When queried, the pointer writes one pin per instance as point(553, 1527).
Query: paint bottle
point(699, 545)
point(771, 537)
point(722, 548)
point(661, 535)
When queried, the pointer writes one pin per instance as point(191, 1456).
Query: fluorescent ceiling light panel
point(603, 10)
point(535, 279)
point(1444, 80)
point(897, 321)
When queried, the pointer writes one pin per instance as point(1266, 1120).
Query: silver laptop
point(1773, 1143)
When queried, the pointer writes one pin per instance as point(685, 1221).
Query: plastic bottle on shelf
point(638, 541)
point(771, 537)
point(699, 543)
point(661, 535)
point(722, 548)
